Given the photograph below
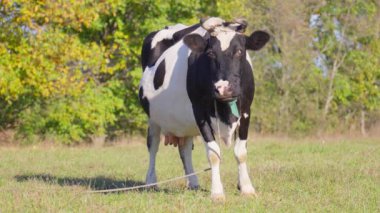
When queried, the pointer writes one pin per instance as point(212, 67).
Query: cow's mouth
point(225, 98)
point(224, 92)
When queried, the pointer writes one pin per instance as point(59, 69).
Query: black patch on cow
point(180, 34)
point(246, 98)
point(146, 52)
point(200, 90)
point(159, 76)
point(224, 113)
point(150, 56)
point(195, 42)
point(148, 140)
point(200, 80)
point(143, 101)
point(202, 117)
point(257, 40)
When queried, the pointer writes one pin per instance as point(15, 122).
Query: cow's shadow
point(92, 184)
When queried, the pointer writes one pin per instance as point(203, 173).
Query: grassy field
point(289, 175)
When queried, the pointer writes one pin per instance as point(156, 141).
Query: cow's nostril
point(223, 88)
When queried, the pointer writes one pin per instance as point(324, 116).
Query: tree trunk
point(330, 96)
point(337, 63)
point(362, 123)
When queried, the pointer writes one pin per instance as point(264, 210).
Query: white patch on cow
point(234, 25)
point(248, 58)
point(166, 33)
point(224, 131)
point(222, 87)
point(177, 27)
point(221, 83)
point(169, 105)
point(185, 153)
point(212, 23)
point(245, 115)
point(225, 36)
point(240, 151)
point(213, 156)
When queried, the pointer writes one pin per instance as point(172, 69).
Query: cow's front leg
point(185, 151)
point(212, 151)
point(244, 183)
point(153, 142)
point(213, 156)
point(240, 151)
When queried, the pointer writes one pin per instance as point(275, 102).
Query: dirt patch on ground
point(7, 137)
point(375, 131)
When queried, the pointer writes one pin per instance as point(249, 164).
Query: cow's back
point(156, 43)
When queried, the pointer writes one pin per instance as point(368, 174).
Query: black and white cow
point(198, 80)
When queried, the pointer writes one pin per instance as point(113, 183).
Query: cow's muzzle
point(224, 92)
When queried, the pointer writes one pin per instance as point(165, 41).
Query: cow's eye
point(238, 53)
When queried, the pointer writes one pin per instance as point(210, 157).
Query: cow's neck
point(225, 113)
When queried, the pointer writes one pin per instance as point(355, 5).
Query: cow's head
point(224, 48)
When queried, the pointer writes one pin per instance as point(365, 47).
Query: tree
point(348, 39)
point(70, 69)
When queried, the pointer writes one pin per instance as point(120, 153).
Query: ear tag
point(234, 108)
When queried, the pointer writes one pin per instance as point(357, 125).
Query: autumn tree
point(69, 70)
point(347, 40)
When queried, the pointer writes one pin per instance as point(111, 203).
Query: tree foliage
point(69, 70)
point(321, 72)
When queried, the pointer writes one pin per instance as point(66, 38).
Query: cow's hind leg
point(153, 142)
point(185, 151)
point(240, 151)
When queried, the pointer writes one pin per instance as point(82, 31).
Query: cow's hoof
point(218, 198)
point(195, 188)
point(249, 194)
point(153, 188)
point(247, 191)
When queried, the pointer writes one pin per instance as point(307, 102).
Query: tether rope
point(147, 185)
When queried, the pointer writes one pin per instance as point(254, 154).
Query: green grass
point(290, 176)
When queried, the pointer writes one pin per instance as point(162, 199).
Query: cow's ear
point(195, 42)
point(257, 40)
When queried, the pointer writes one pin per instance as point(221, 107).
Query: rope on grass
point(147, 185)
